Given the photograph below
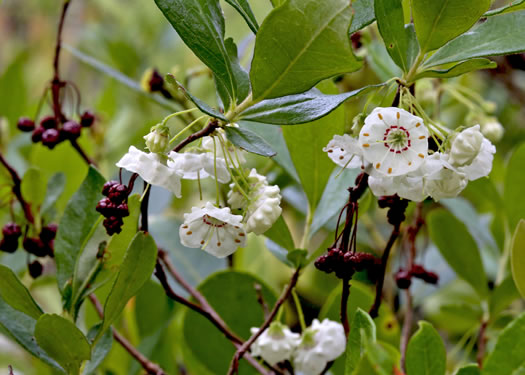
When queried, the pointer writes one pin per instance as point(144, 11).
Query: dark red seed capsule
point(25, 124)
point(49, 122)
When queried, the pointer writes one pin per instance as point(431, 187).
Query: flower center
point(213, 222)
point(397, 139)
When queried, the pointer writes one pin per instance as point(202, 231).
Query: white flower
point(275, 344)
point(192, 166)
point(466, 146)
point(152, 168)
point(321, 343)
point(445, 183)
point(236, 154)
point(158, 139)
point(492, 129)
point(345, 151)
point(213, 229)
point(394, 141)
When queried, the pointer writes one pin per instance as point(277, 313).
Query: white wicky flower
point(344, 151)
point(445, 183)
point(394, 141)
point(275, 344)
point(213, 229)
point(192, 166)
point(492, 129)
point(466, 146)
point(158, 139)
point(321, 343)
point(151, 168)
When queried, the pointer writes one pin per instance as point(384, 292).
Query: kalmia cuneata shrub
point(321, 196)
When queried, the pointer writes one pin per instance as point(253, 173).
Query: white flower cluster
point(393, 149)
point(319, 344)
point(213, 229)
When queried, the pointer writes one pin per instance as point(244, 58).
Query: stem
point(148, 366)
point(17, 189)
point(344, 305)
point(299, 309)
point(261, 301)
point(144, 208)
point(186, 128)
point(482, 343)
point(81, 152)
point(58, 45)
point(232, 114)
point(407, 325)
point(413, 70)
point(210, 128)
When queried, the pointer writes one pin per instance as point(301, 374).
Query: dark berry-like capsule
point(48, 233)
point(156, 82)
point(35, 246)
point(25, 124)
point(118, 193)
point(50, 138)
point(417, 270)
point(87, 119)
point(113, 225)
point(49, 122)
point(403, 279)
point(12, 230)
point(36, 136)
point(9, 244)
point(71, 130)
point(106, 207)
point(35, 269)
point(107, 187)
point(122, 210)
point(430, 277)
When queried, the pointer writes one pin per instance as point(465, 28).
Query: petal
point(344, 151)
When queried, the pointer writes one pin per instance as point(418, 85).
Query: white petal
point(344, 151)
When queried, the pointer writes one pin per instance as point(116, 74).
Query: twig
point(150, 367)
point(144, 208)
point(344, 305)
point(210, 128)
point(10, 368)
point(260, 299)
point(234, 365)
point(482, 343)
point(17, 183)
point(81, 152)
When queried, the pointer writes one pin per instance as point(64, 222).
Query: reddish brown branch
point(344, 305)
point(148, 366)
point(482, 343)
point(17, 191)
point(210, 128)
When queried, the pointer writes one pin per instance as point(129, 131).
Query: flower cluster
point(393, 149)
point(114, 207)
point(345, 264)
point(319, 344)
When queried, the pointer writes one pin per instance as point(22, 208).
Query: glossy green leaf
point(100, 351)
point(13, 90)
point(513, 188)
point(306, 143)
point(241, 76)
point(498, 35)
point(63, 341)
point(389, 15)
point(277, 3)
point(33, 187)
point(280, 234)
point(363, 14)
point(412, 44)
point(76, 224)
point(234, 297)
point(311, 34)
point(508, 355)
point(471, 369)
point(458, 69)
point(14, 293)
point(517, 257)
point(437, 22)
point(362, 330)
point(458, 248)
point(426, 354)
point(137, 268)
point(153, 311)
point(55, 188)
point(513, 6)
point(200, 24)
point(383, 357)
point(299, 108)
point(503, 295)
point(249, 141)
point(243, 7)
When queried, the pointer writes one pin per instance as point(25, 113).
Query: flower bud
point(71, 130)
point(50, 138)
point(107, 187)
point(113, 225)
point(36, 136)
point(157, 140)
point(49, 122)
point(35, 246)
point(12, 230)
point(35, 269)
point(492, 129)
point(118, 193)
point(403, 279)
point(48, 233)
point(9, 244)
point(87, 119)
point(466, 146)
point(25, 124)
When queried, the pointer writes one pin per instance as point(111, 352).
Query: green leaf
point(458, 69)
point(513, 188)
point(63, 341)
point(243, 7)
point(200, 25)
point(389, 15)
point(300, 108)
point(33, 187)
point(509, 353)
point(517, 257)
point(306, 143)
point(14, 293)
point(76, 224)
point(136, 269)
point(437, 22)
point(55, 188)
point(249, 141)
point(362, 330)
point(13, 90)
point(471, 369)
point(363, 14)
point(426, 354)
point(234, 297)
point(502, 296)
point(498, 35)
point(280, 234)
point(311, 44)
point(383, 357)
point(380, 61)
point(99, 351)
point(512, 7)
point(412, 45)
point(297, 257)
point(458, 248)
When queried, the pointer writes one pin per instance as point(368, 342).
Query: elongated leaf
point(33, 187)
point(99, 351)
point(136, 269)
point(412, 44)
point(469, 370)
point(458, 248)
point(389, 15)
point(63, 341)
point(458, 69)
point(518, 257)
point(75, 225)
point(311, 44)
point(512, 7)
point(299, 108)
point(363, 14)
point(513, 189)
point(426, 352)
point(55, 188)
point(249, 141)
point(437, 22)
point(362, 330)
point(498, 35)
point(509, 353)
point(14, 293)
point(280, 234)
point(243, 7)
point(503, 295)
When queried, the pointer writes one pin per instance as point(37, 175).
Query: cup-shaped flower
point(152, 168)
point(394, 141)
point(344, 151)
point(275, 344)
point(492, 129)
point(215, 230)
point(466, 146)
point(192, 166)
